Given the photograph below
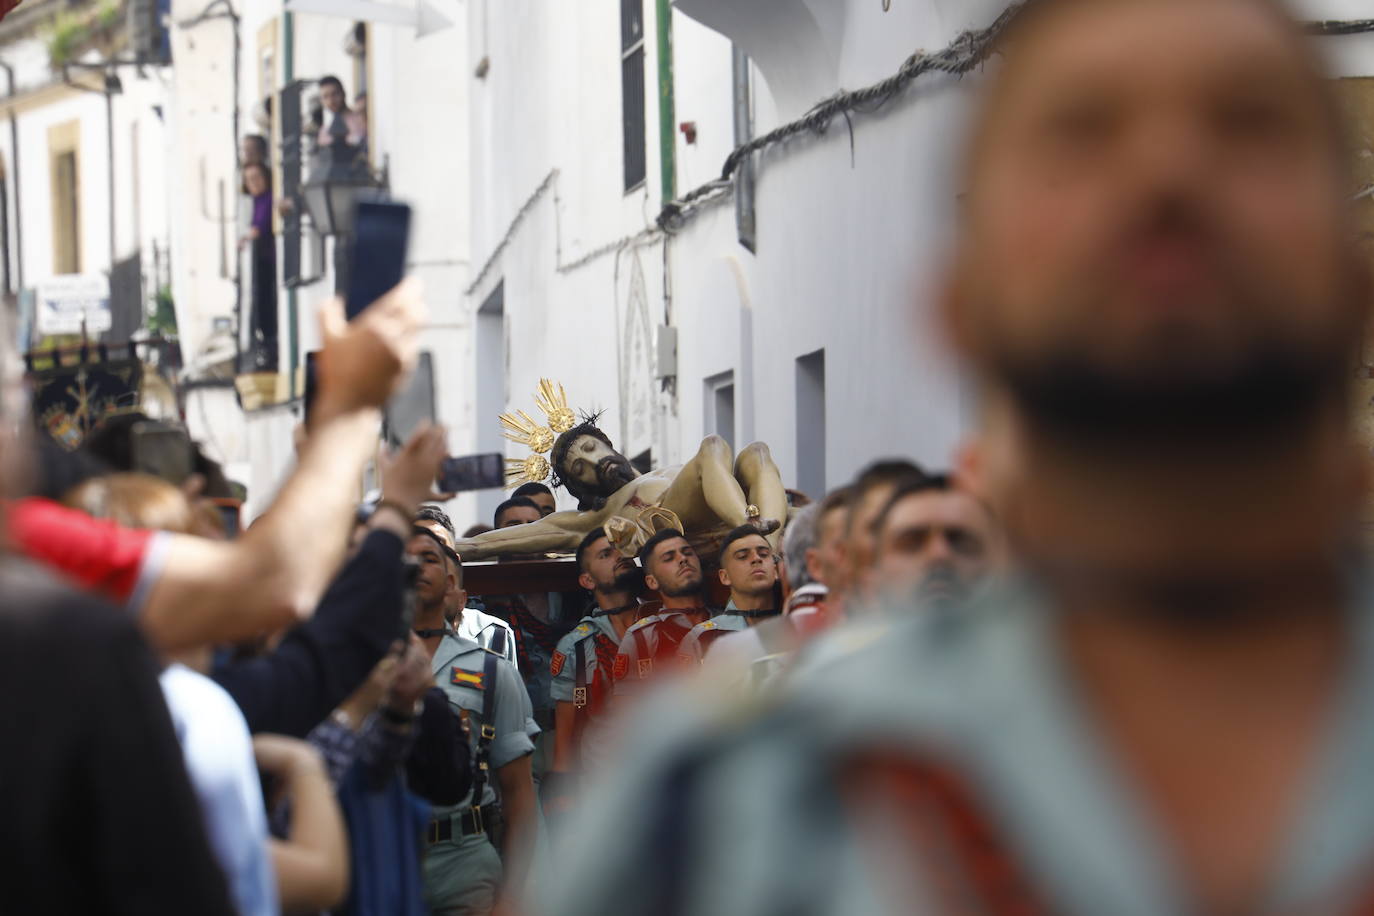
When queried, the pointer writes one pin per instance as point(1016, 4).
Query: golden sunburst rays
point(520, 471)
point(553, 401)
point(521, 428)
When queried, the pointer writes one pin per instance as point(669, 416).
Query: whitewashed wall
point(846, 248)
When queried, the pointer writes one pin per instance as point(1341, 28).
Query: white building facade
point(540, 144)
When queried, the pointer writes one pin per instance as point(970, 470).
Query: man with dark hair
point(749, 568)
point(464, 870)
point(339, 125)
point(672, 569)
point(487, 631)
point(518, 510)
point(538, 494)
point(1158, 287)
point(432, 516)
point(936, 537)
point(583, 667)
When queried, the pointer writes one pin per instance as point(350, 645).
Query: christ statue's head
point(588, 466)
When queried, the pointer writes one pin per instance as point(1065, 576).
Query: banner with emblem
point(68, 402)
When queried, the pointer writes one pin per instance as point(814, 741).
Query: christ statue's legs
point(762, 484)
point(706, 492)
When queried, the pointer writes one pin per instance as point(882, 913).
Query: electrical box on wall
point(667, 352)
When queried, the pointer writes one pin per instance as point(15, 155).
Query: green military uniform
point(583, 669)
point(650, 643)
point(462, 866)
point(698, 642)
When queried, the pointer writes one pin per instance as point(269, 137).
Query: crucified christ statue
point(714, 491)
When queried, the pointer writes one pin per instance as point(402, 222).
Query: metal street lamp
point(339, 180)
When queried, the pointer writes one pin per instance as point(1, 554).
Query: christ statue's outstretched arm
point(562, 531)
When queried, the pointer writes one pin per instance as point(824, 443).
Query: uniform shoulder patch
point(556, 665)
point(583, 629)
point(474, 679)
point(709, 625)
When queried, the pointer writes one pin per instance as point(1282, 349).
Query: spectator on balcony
point(339, 125)
point(252, 151)
point(257, 181)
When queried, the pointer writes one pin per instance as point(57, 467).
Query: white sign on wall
point(65, 302)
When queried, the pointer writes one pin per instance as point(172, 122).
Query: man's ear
point(650, 582)
point(460, 597)
point(724, 577)
point(586, 582)
point(451, 588)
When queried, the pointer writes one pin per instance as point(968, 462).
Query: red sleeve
point(98, 555)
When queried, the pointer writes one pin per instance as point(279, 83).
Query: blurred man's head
point(332, 94)
point(604, 569)
point(872, 490)
point(935, 536)
point(538, 494)
point(827, 561)
point(516, 511)
point(747, 566)
point(1157, 271)
point(671, 566)
point(436, 577)
point(798, 541)
point(1158, 243)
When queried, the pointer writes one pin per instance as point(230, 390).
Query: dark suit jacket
point(319, 664)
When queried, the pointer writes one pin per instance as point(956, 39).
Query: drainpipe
point(14, 168)
point(110, 169)
point(745, 227)
point(288, 62)
point(667, 115)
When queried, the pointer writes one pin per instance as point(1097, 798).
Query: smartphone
point(162, 451)
point(312, 382)
point(381, 237)
point(415, 405)
point(473, 472)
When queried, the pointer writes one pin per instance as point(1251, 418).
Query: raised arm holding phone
point(190, 591)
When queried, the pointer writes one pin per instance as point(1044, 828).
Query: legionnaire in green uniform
point(583, 666)
point(749, 568)
point(478, 848)
point(487, 631)
point(671, 568)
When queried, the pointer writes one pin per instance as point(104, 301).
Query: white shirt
point(219, 759)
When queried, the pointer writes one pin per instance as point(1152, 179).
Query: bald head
point(1157, 228)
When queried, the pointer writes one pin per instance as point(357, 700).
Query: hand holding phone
point(473, 472)
point(377, 259)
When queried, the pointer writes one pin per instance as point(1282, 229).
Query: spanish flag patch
point(556, 666)
point(463, 678)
